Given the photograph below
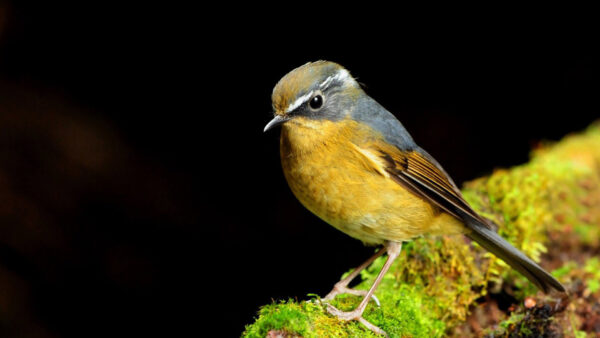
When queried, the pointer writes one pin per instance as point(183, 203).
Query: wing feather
point(423, 176)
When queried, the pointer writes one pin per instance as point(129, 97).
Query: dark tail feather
point(497, 245)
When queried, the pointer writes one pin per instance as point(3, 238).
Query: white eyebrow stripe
point(326, 83)
point(342, 75)
point(299, 101)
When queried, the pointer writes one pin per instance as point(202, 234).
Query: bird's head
point(316, 90)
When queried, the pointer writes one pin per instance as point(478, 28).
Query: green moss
point(550, 195)
point(565, 270)
point(286, 316)
point(592, 269)
point(401, 314)
point(589, 272)
point(434, 283)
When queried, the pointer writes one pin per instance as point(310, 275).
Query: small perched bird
point(352, 163)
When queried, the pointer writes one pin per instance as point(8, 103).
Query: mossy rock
point(554, 200)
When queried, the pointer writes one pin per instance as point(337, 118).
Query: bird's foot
point(354, 315)
point(342, 289)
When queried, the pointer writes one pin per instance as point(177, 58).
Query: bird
point(353, 164)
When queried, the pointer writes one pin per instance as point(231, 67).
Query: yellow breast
point(332, 178)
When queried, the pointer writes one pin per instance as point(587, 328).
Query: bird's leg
point(341, 287)
point(393, 250)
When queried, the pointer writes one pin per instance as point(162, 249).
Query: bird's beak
point(277, 120)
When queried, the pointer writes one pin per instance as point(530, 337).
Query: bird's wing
point(419, 172)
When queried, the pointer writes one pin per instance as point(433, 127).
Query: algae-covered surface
point(448, 286)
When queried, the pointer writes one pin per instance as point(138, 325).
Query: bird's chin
point(303, 122)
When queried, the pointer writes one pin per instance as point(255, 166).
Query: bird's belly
point(336, 186)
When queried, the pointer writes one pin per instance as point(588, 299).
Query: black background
point(140, 194)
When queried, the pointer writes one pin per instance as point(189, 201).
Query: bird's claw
point(354, 315)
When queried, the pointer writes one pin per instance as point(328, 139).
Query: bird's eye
point(316, 102)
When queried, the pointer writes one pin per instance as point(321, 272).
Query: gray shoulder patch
point(370, 112)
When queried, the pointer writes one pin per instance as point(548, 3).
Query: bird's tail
point(491, 241)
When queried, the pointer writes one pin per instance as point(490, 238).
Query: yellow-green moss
point(431, 287)
point(401, 314)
